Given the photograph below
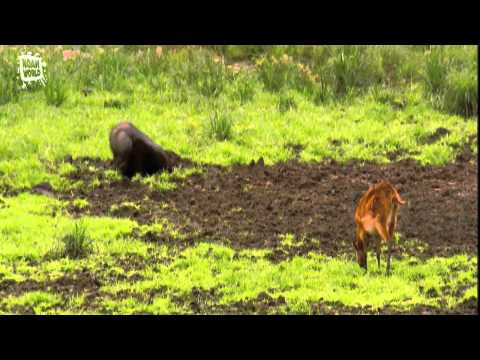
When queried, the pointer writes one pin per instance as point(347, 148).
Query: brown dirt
point(80, 282)
point(249, 206)
point(201, 301)
point(77, 283)
point(437, 135)
point(469, 307)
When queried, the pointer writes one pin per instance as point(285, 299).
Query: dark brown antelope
point(134, 152)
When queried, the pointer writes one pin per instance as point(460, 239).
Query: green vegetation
point(38, 301)
point(55, 90)
point(286, 102)
point(203, 106)
point(76, 243)
point(218, 105)
point(302, 281)
point(9, 88)
point(220, 126)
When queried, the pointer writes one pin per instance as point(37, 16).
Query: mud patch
point(116, 104)
point(466, 153)
point(437, 135)
point(395, 155)
point(76, 283)
point(337, 145)
point(336, 142)
point(44, 189)
point(133, 262)
point(201, 301)
point(263, 304)
point(107, 197)
point(296, 149)
point(82, 163)
point(80, 282)
point(468, 307)
point(251, 206)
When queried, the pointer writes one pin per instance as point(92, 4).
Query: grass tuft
point(55, 90)
point(220, 125)
point(76, 244)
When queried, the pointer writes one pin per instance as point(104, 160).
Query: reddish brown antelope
point(376, 214)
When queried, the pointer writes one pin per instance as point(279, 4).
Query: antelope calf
point(376, 214)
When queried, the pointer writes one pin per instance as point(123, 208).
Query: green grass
point(341, 102)
point(9, 88)
point(219, 126)
point(76, 243)
point(244, 87)
point(165, 181)
point(81, 127)
point(461, 93)
point(31, 226)
point(304, 280)
point(286, 102)
point(39, 301)
point(158, 306)
point(27, 232)
point(55, 90)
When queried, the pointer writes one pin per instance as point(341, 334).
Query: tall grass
point(435, 65)
point(461, 93)
point(286, 102)
point(9, 82)
point(355, 66)
point(322, 73)
point(55, 89)
point(278, 73)
point(206, 74)
point(76, 244)
point(112, 69)
point(220, 125)
point(244, 87)
point(450, 75)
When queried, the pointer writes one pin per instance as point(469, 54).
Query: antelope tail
point(399, 199)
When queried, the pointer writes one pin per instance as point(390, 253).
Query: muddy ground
point(198, 301)
point(250, 206)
